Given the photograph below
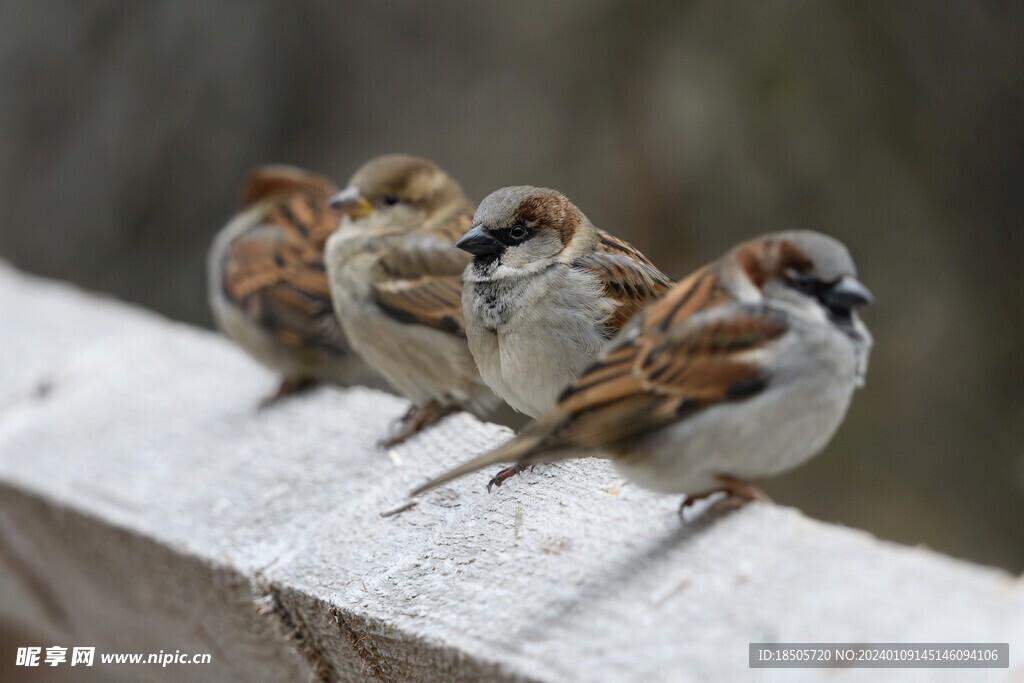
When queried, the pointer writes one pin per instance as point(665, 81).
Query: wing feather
point(274, 270)
point(630, 280)
point(418, 279)
point(644, 383)
point(671, 375)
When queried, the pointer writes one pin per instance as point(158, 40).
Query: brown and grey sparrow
point(396, 283)
point(545, 292)
point(267, 285)
point(742, 371)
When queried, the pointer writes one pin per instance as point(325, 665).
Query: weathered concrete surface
point(146, 504)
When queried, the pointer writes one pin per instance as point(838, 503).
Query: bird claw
point(692, 499)
point(501, 476)
point(416, 419)
point(745, 491)
point(289, 387)
point(738, 492)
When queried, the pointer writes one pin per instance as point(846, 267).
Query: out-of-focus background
point(126, 128)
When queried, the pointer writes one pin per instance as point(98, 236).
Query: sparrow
point(743, 370)
point(267, 285)
point(545, 292)
point(396, 283)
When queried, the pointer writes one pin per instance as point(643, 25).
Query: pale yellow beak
point(351, 202)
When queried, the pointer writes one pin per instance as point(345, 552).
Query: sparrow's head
point(521, 230)
point(398, 191)
point(268, 181)
point(807, 272)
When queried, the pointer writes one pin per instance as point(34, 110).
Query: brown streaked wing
point(274, 272)
point(662, 377)
point(419, 276)
point(434, 301)
point(700, 291)
point(306, 221)
point(630, 279)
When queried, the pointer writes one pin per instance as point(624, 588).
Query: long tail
point(524, 449)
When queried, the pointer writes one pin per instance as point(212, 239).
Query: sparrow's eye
point(391, 199)
point(511, 236)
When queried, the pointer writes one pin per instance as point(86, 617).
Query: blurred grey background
point(126, 128)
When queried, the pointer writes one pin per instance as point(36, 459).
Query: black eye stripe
point(805, 283)
point(510, 236)
point(819, 290)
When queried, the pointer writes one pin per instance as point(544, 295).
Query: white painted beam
point(146, 504)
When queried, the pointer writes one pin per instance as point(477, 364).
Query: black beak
point(478, 243)
point(848, 293)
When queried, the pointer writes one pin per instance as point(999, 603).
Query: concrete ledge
point(146, 504)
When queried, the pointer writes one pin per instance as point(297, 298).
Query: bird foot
point(743, 490)
point(504, 475)
point(416, 419)
point(507, 473)
point(738, 492)
point(289, 387)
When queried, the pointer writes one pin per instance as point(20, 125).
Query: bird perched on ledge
point(396, 284)
point(545, 292)
point(267, 285)
point(742, 371)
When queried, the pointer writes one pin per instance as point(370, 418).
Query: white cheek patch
point(746, 291)
point(515, 262)
point(531, 256)
point(805, 306)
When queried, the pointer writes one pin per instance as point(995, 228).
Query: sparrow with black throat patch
point(545, 292)
point(742, 371)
